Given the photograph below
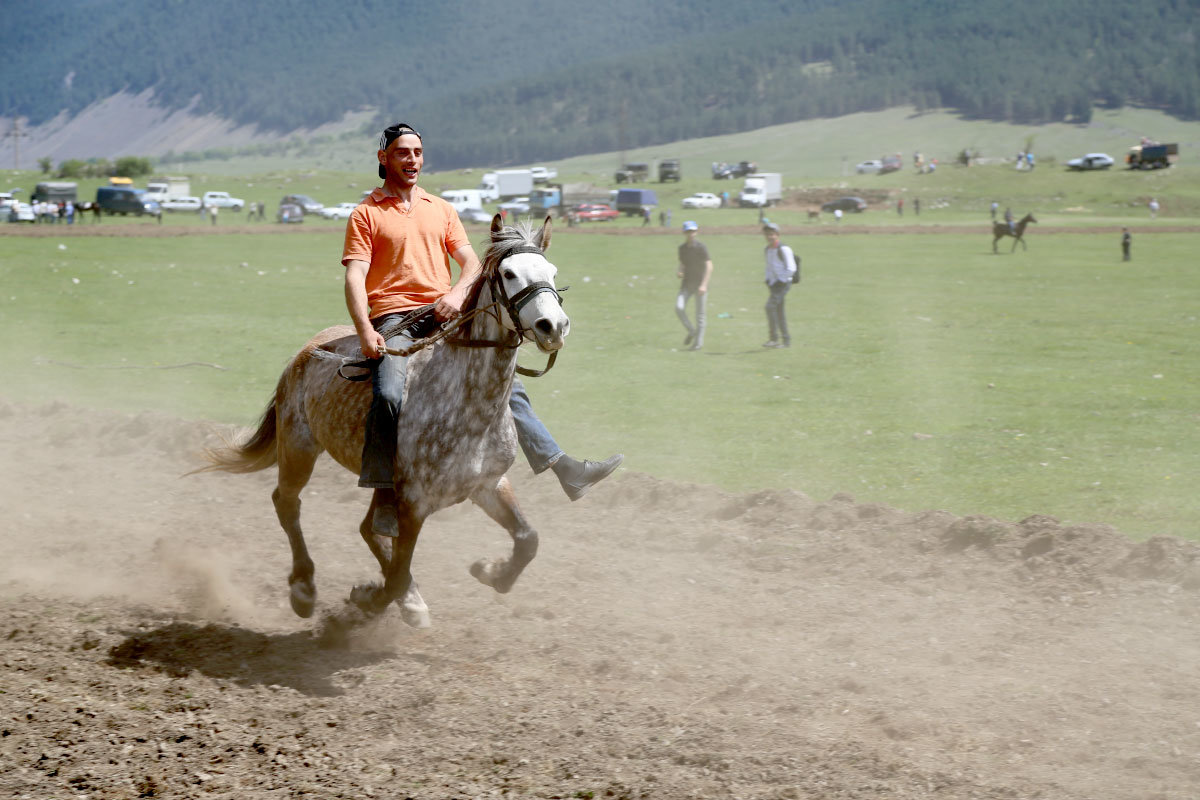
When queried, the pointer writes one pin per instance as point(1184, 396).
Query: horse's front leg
point(413, 609)
point(396, 563)
point(500, 504)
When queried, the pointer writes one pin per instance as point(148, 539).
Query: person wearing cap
point(695, 268)
point(781, 268)
point(397, 251)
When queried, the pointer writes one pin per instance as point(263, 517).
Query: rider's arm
point(450, 305)
point(369, 340)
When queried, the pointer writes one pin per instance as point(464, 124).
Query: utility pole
point(622, 123)
point(15, 134)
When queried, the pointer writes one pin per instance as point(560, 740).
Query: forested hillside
point(537, 79)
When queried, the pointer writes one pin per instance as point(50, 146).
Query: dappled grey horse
point(455, 438)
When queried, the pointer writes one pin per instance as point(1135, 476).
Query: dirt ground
point(670, 641)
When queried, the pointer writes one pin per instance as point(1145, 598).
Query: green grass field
point(926, 372)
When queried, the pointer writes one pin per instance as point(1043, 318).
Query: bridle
point(512, 306)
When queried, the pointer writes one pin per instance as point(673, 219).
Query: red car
point(588, 211)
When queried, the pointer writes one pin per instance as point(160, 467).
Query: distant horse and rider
point(1017, 231)
point(456, 434)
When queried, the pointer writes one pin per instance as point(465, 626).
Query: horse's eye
point(509, 275)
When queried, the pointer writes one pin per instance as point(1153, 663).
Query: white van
point(463, 199)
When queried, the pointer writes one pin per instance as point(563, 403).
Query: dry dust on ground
point(670, 641)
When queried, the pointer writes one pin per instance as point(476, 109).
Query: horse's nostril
point(543, 325)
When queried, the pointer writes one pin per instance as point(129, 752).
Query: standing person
point(917, 206)
point(397, 251)
point(995, 208)
point(781, 267)
point(837, 214)
point(1153, 207)
point(1126, 243)
point(695, 269)
point(70, 211)
point(900, 207)
point(645, 216)
point(212, 213)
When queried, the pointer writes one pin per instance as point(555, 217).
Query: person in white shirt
point(781, 270)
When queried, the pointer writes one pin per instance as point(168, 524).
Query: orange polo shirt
point(408, 251)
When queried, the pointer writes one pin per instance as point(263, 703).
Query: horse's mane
point(501, 244)
point(507, 239)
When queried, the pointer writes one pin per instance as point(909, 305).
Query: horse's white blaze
point(543, 316)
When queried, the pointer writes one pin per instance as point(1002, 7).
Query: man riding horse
point(397, 248)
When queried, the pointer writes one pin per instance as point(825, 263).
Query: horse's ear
point(497, 225)
point(542, 239)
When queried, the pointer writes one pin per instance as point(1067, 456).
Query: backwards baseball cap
point(771, 226)
point(390, 134)
point(690, 226)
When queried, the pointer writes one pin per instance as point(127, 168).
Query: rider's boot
point(577, 477)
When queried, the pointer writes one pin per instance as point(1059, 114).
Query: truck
point(544, 199)
point(632, 201)
point(669, 169)
point(1151, 155)
point(169, 188)
point(55, 192)
point(634, 172)
point(464, 199)
point(506, 183)
point(761, 189)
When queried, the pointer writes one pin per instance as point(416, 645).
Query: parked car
point(518, 205)
point(126, 200)
point(20, 212)
point(289, 213)
point(702, 200)
point(309, 205)
point(543, 174)
point(855, 204)
point(181, 204)
point(1091, 161)
point(869, 167)
point(340, 211)
point(222, 200)
point(890, 164)
point(595, 211)
point(474, 215)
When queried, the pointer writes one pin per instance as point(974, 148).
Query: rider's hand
point(449, 306)
point(372, 344)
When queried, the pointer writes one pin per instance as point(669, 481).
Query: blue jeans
point(681, 310)
point(537, 444)
point(776, 321)
point(387, 394)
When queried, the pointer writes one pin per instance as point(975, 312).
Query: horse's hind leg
point(295, 468)
point(413, 609)
point(500, 504)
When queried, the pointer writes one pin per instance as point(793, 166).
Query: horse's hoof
point(303, 596)
point(489, 573)
point(368, 598)
point(415, 617)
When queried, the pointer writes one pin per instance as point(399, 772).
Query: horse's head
point(1030, 218)
point(522, 282)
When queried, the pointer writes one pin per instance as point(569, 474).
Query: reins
point(512, 305)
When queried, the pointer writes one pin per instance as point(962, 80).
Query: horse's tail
point(254, 454)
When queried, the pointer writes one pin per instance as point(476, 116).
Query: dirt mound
point(670, 641)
